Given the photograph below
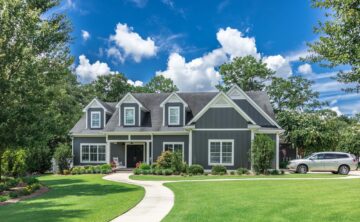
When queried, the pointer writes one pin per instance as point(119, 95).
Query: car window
point(319, 156)
point(341, 156)
point(330, 156)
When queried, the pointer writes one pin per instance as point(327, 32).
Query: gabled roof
point(129, 97)
point(98, 103)
point(171, 96)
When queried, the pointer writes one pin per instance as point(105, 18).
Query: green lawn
point(307, 200)
point(75, 198)
point(176, 178)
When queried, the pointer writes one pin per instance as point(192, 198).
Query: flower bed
point(11, 188)
point(104, 169)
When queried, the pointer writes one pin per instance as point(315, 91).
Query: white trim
point(72, 151)
point(269, 131)
point(162, 105)
point(254, 104)
point(190, 148)
point(169, 97)
point(86, 120)
point(91, 119)
point(87, 135)
point(99, 106)
point(134, 115)
point(132, 143)
point(277, 152)
point(176, 143)
point(178, 119)
point(133, 97)
point(221, 129)
point(231, 103)
point(221, 141)
point(148, 152)
point(148, 133)
point(97, 151)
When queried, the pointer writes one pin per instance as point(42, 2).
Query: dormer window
point(95, 119)
point(129, 116)
point(174, 115)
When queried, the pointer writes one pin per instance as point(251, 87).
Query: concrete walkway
point(155, 205)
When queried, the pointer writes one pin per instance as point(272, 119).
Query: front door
point(135, 154)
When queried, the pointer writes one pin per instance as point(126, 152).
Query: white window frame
point(175, 143)
point(97, 152)
point(133, 109)
point(91, 119)
point(221, 141)
point(178, 119)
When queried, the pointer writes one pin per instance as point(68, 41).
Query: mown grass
point(75, 198)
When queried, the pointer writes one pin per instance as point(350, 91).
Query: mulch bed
point(37, 193)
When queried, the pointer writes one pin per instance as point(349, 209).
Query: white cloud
point(234, 44)
point(296, 55)
point(139, 3)
point(88, 72)
point(130, 43)
point(115, 53)
point(337, 110)
point(333, 102)
point(136, 83)
point(279, 64)
point(305, 69)
point(85, 35)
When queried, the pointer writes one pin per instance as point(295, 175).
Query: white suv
point(335, 162)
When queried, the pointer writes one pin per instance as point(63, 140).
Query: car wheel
point(344, 170)
point(302, 169)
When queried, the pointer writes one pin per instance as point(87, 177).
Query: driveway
point(155, 205)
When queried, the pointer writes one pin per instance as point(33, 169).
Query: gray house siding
point(181, 107)
point(136, 113)
point(158, 141)
point(118, 150)
point(76, 149)
point(252, 112)
point(221, 118)
point(242, 144)
point(101, 110)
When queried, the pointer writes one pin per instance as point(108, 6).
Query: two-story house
point(209, 128)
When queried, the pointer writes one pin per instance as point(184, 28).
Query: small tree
point(62, 155)
point(14, 162)
point(350, 140)
point(38, 159)
point(262, 153)
point(164, 161)
point(177, 163)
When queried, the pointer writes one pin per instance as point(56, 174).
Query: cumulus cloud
point(131, 44)
point(279, 64)
point(305, 69)
point(337, 110)
point(136, 83)
point(85, 35)
point(234, 44)
point(88, 72)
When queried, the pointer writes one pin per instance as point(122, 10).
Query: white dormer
point(95, 116)
point(173, 117)
point(129, 112)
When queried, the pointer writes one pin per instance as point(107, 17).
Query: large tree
point(160, 84)
point(247, 72)
point(36, 84)
point(294, 93)
point(339, 42)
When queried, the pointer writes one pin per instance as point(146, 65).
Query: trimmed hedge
point(218, 170)
point(196, 169)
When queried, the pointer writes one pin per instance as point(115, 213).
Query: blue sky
point(187, 40)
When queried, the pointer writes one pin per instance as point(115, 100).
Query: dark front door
point(135, 154)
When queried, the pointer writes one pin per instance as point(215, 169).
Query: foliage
point(29, 180)
point(38, 159)
point(167, 172)
point(144, 166)
point(164, 161)
point(218, 169)
point(338, 44)
point(196, 169)
point(3, 187)
point(247, 72)
point(241, 171)
point(177, 164)
point(160, 84)
point(294, 93)
point(13, 162)
point(262, 153)
point(62, 156)
point(2, 199)
point(350, 140)
point(105, 168)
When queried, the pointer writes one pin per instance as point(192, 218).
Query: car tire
point(344, 170)
point(303, 169)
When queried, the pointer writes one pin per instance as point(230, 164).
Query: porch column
point(147, 152)
point(277, 151)
point(190, 148)
point(108, 152)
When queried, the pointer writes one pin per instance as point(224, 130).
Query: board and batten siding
point(158, 141)
point(242, 144)
point(76, 149)
point(101, 110)
point(118, 150)
point(221, 118)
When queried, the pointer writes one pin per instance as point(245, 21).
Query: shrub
point(263, 148)
point(158, 172)
point(63, 156)
point(26, 191)
point(3, 187)
point(92, 169)
point(66, 172)
point(177, 163)
point(144, 166)
point(38, 159)
point(273, 172)
point(13, 194)
point(221, 173)
point(137, 171)
point(82, 170)
point(105, 168)
point(232, 172)
point(2, 199)
point(13, 162)
point(206, 174)
point(35, 186)
point(196, 169)
point(217, 169)
point(29, 180)
point(11, 183)
point(167, 172)
point(145, 172)
point(153, 166)
point(164, 161)
point(241, 171)
point(282, 172)
point(185, 168)
point(283, 164)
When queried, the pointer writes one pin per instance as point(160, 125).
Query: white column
point(252, 140)
point(277, 151)
point(147, 152)
point(108, 152)
point(190, 148)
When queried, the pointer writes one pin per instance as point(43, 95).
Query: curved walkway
point(159, 200)
point(155, 205)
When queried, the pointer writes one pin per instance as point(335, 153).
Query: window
point(93, 153)
point(330, 156)
point(129, 116)
point(174, 147)
point(174, 115)
point(320, 156)
point(342, 156)
point(95, 119)
point(221, 152)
